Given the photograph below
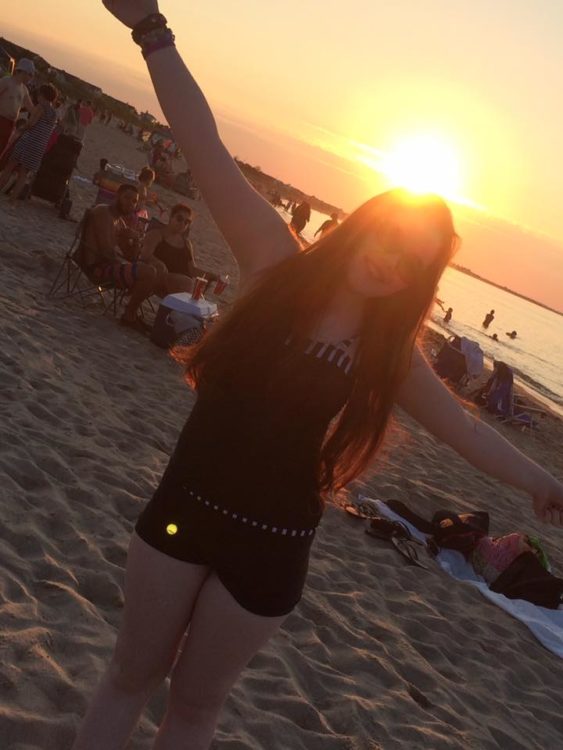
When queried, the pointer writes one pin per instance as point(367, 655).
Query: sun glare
point(423, 164)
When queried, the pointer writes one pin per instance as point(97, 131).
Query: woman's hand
point(130, 12)
point(548, 501)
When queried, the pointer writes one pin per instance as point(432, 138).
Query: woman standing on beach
point(295, 387)
point(28, 152)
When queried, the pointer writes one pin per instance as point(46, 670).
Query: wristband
point(155, 40)
point(148, 24)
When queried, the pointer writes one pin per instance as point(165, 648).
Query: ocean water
point(315, 222)
point(536, 355)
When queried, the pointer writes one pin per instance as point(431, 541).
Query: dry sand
point(377, 655)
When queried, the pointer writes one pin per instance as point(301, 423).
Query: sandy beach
point(378, 655)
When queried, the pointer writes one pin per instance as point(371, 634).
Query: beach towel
point(545, 624)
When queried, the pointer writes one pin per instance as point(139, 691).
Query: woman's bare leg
point(161, 274)
point(20, 183)
point(159, 598)
point(7, 173)
point(221, 640)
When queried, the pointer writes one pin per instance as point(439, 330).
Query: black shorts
point(262, 565)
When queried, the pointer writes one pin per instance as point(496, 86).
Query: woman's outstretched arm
point(429, 402)
point(256, 233)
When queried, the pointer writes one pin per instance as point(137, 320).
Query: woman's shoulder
point(47, 110)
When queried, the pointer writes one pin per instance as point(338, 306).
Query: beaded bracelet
point(148, 24)
point(155, 40)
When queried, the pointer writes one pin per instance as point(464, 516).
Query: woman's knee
point(178, 282)
point(146, 272)
point(195, 707)
point(133, 675)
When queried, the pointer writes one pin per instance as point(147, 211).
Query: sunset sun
point(423, 164)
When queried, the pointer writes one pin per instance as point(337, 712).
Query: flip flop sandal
point(363, 510)
point(384, 528)
point(409, 551)
point(400, 537)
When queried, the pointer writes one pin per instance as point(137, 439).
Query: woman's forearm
point(185, 108)
point(254, 230)
point(431, 404)
point(488, 451)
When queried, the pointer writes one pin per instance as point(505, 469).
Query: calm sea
point(536, 355)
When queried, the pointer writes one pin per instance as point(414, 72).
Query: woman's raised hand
point(130, 12)
point(548, 501)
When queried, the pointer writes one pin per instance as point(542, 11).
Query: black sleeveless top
point(176, 259)
point(256, 450)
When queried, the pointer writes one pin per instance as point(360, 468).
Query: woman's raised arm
point(256, 233)
point(426, 399)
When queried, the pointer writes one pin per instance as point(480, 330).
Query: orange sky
point(306, 90)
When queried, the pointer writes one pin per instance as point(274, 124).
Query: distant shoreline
point(468, 272)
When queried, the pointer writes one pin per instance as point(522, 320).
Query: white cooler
point(181, 320)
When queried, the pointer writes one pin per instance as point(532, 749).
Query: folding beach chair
point(73, 281)
point(459, 361)
point(498, 397)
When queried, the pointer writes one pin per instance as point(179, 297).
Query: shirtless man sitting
point(14, 96)
point(109, 253)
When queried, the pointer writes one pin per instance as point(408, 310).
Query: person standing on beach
point(448, 315)
point(27, 154)
point(295, 386)
point(85, 117)
point(14, 96)
point(300, 217)
point(327, 225)
point(145, 180)
point(70, 122)
point(489, 317)
point(100, 173)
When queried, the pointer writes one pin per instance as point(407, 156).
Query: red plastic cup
point(221, 284)
point(200, 285)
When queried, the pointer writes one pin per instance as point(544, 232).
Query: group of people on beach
point(488, 319)
point(116, 248)
point(24, 141)
point(295, 387)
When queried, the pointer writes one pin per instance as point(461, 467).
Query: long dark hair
point(291, 299)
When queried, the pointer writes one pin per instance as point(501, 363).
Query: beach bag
point(526, 578)
point(493, 555)
point(516, 566)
